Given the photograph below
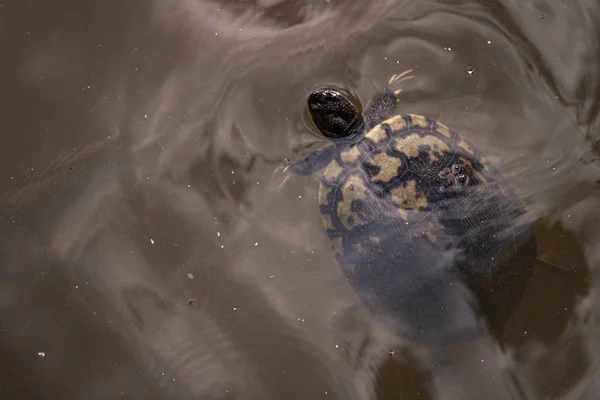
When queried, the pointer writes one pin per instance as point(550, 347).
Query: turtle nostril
point(314, 96)
point(315, 106)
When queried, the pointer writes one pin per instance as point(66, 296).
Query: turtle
point(424, 228)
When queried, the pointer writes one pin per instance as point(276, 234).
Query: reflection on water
point(164, 262)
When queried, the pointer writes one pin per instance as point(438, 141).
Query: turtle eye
point(456, 169)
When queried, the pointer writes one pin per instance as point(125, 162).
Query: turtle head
point(334, 115)
point(338, 120)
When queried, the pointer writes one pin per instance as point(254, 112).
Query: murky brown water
point(164, 263)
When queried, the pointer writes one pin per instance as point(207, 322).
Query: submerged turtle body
point(415, 214)
point(412, 210)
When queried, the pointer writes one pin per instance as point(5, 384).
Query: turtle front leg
point(313, 162)
point(383, 104)
point(382, 107)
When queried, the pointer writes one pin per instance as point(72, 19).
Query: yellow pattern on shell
point(430, 231)
point(323, 195)
point(484, 163)
point(467, 164)
point(388, 167)
point(407, 198)
point(465, 146)
point(333, 171)
point(350, 155)
point(375, 239)
point(410, 144)
point(338, 247)
point(396, 123)
point(353, 189)
point(430, 236)
point(419, 120)
point(327, 221)
point(481, 177)
point(377, 134)
point(443, 130)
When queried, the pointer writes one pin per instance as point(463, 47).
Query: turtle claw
point(397, 78)
point(280, 174)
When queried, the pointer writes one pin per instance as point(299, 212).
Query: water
point(167, 262)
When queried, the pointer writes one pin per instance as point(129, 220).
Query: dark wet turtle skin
point(413, 212)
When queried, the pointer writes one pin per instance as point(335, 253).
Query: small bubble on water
point(470, 71)
point(151, 241)
point(542, 16)
point(190, 275)
point(489, 42)
point(256, 244)
point(42, 353)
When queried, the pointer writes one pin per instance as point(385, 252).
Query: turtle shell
point(413, 211)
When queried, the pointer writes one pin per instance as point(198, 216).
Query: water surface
point(165, 261)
